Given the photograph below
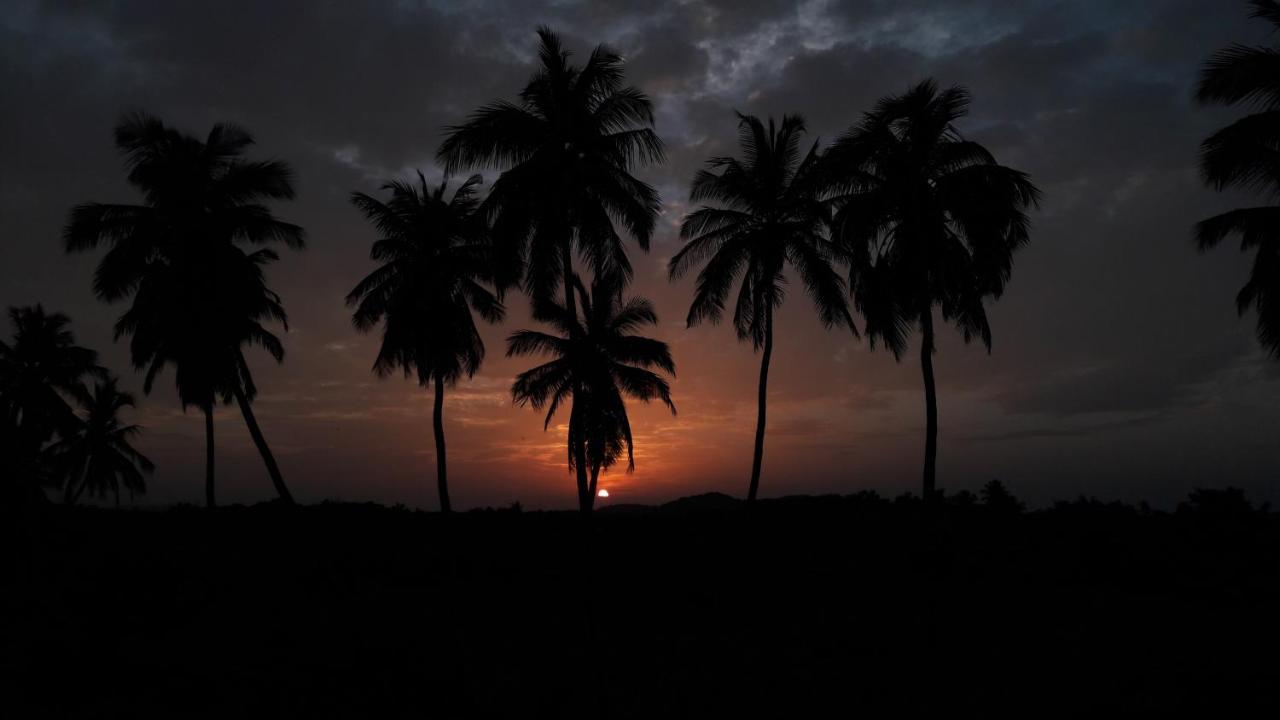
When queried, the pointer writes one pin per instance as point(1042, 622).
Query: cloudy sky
point(1119, 369)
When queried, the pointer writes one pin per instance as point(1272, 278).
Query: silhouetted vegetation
point(768, 215)
point(963, 603)
point(596, 362)
point(435, 260)
point(198, 297)
point(926, 220)
point(567, 151)
point(1241, 156)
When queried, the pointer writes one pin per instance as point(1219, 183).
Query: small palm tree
point(926, 220)
point(596, 363)
point(41, 370)
point(435, 260)
point(198, 295)
point(768, 216)
point(1240, 156)
point(98, 455)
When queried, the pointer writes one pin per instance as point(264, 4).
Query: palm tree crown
point(768, 215)
point(99, 456)
point(926, 219)
point(434, 257)
point(597, 362)
point(434, 263)
point(198, 295)
point(567, 149)
point(40, 369)
point(1240, 156)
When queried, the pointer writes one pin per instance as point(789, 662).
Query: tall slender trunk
point(764, 391)
point(577, 445)
point(930, 404)
point(591, 492)
point(267, 458)
point(442, 482)
point(209, 500)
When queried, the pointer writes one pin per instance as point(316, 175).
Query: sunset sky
point(1119, 368)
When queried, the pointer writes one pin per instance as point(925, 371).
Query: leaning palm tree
point(926, 220)
point(198, 296)
point(767, 216)
point(1241, 156)
point(435, 260)
point(98, 455)
point(596, 363)
point(41, 370)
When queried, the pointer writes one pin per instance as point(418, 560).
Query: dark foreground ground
point(818, 607)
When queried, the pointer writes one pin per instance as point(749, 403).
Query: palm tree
point(926, 219)
point(434, 260)
point(40, 369)
point(1240, 156)
point(98, 455)
point(596, 363)
point(566, 149)
point(198, 296)
point(768, 216)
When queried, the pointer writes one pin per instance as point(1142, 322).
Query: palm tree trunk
point(591, 493)
point(758, 457)
point(209, 501)
point(578, 447)
point(930, 404)
point(261, 442)
point(442, 482)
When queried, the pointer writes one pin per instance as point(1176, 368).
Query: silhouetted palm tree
point(769, 216)
point(98, 455)
point(926, 219)
point(597, 363)
point(434, 257)
point(1241, 156)
point(566, 149)
point(41, 369)
point(198, 297)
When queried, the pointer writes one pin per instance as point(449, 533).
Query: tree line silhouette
point(899, 222)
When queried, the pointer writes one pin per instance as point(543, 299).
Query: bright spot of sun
point(603, 493)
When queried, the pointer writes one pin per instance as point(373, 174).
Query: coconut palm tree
point(767, 216)
point(926, 220)
point(567, 149)
point(98, 455)
point(435, 260)
point(198, 295)
point(597, 362)
point(41, 370)
point(1240, 156)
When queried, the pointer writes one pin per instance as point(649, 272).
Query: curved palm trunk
point(442, 482)
point(758, 458)
point(261, 442)
point(209, 500)
point(930, 405)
